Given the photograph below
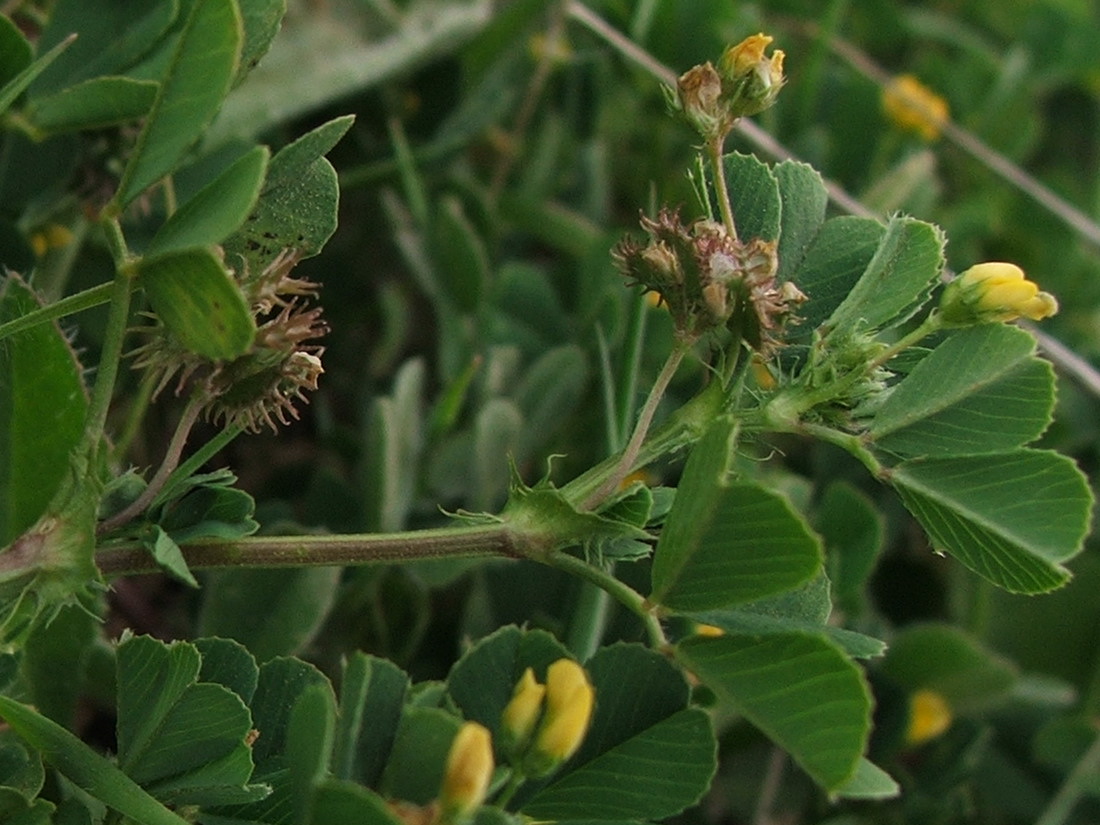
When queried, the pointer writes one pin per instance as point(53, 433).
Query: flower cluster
point(993, 292)
point(745, 82)
point(914, 107)
point(262, 386)
point(709, 279)
point(544, 725)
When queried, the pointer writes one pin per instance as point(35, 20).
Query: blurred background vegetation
point(499, 151)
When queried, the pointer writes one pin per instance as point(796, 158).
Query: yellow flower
point(521, 714)
point(469, 769)
point(914, 107)
point(994, 291)
point(569, 701)
point(743, 58)
point(929, 716)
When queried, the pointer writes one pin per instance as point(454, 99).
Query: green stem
point(171, 460)
point(515, 782)
point(625, 595)
point(111, 351)
point(197, 459)
point(479, 541)
point(714, 152)
point(853, 444)
point(629, 455)
point(588, 620)
point(1077, 784)
point(930, 324)
point(685, 426)
point(59, 309)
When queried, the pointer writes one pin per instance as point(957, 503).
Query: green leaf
point(84, 767)
point(11, 90)
point(372, 696)
point(482, 681)
point(336, 802)
point(646, 755)
point(806, 610)
point(804, 198)
point(897, 280)
point(1012, 518)
point(834, 262)
point(218, 209)
point(415, 768)
point(853, 531)
point(54, 661)
point(951, 662)
point(42, 406)
point(168, 555)
point(798, 688)
point(271, 612)
point(200, 303)
point(297, 206)
point(262, 19)
point(210, 511)
point(112, 39)
point(169, 724)
point(460, 255)
point(550, 391)
point(309, 742)
point(93, 104)
point(394, 446)
point(728, 542)
point(980, 391)
point(228, 663)
point(868, 782)
point(754, 197)
point(16, 52)
point(191, 92)
point(19, 770)
point(279, 91)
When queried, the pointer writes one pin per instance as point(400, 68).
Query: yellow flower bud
point(709, 630)
point(469, 769)
point(569, 702)
point(750, 80)
point(929, 716)
point(994, 291)
point(914, 107)
point(521, 714)
point(743, 58)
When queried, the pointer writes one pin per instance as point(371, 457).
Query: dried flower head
point(263, 386)
point(708, 279)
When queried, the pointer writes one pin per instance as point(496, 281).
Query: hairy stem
point(319, 551)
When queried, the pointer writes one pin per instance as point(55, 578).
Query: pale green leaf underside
point(1010, 517)
point(982, 390)
point(94, 104)
point(799, 689)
